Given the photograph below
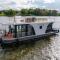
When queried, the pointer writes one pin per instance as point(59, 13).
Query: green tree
point(30, 12)
point(24, 12)
point(54, 13)
point(10, 13)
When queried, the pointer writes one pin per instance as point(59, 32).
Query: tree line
point(30, 12)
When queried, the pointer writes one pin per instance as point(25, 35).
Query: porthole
point(40, 27)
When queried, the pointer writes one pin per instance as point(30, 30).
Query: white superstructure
point(38, 23)
point(32, 19)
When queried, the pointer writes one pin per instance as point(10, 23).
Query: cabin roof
point(32, 23)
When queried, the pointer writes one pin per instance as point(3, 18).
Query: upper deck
point(33, 19)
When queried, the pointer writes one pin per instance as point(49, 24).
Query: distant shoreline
point(30, 12)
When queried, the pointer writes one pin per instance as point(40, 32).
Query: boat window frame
point(26, 31)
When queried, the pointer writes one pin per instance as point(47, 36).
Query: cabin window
point(49, 27)
point(24, 30)
point(30, 30)
point(21, 20)
point(40, 27)
point(30, 19)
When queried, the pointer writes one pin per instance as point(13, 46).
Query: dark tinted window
point(24, 30)
point(40, 27)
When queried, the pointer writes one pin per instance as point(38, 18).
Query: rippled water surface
point(43, 49)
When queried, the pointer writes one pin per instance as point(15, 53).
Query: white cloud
point(18, 4)
point(49, 1)
point(26, 3)
point(1, 8)
point(43, 6)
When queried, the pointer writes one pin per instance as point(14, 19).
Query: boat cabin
point(28, 26)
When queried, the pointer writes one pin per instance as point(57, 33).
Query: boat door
point(20, 30)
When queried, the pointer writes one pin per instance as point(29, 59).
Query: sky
point(19, 4)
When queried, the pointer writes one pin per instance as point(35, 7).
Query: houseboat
point(27, 28)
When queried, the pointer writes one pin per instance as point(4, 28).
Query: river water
point(43, 49)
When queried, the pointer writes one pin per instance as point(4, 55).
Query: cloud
point(28, 3)
point(19, 4)
point(49, 1)
point(16, 4)
point(1, 8)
